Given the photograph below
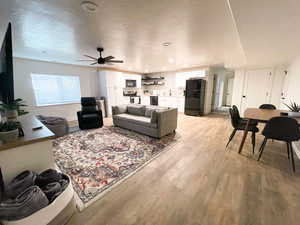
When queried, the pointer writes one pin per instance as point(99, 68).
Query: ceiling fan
point(101, 60)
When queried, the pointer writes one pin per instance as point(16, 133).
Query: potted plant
point(14, 109)
point(9, 131)
point(294, 109)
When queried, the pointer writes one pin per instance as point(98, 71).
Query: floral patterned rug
point(98, 159)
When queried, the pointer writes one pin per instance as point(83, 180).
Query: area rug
point(97, 160)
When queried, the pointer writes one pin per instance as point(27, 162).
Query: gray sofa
point(153, 121)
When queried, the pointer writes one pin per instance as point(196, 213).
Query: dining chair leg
point(262, 147)
point(231, 137)
point(253, 142)
point(292, 156)
point(288, 150)
point(244, 136)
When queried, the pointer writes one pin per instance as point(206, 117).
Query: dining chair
point(282, 129)
point(243, 120)
point(239, 124)
point(267, 106)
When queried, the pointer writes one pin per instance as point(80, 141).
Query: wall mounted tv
point(6, 68)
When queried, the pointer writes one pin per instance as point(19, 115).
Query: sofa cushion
point(150, 109)
point(138, 110)
point(140, 120)
point(119, 109)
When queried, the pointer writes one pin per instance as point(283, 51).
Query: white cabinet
point(255, 87)
point(175, 102)
point(145, 100)
point(163, 101)
point(110, 85)
point(181, 104)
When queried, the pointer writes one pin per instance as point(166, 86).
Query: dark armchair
point(90, 116)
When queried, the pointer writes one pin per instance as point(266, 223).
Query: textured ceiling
point(202, 32)
point(269, 30)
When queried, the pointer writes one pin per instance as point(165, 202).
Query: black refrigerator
point(194, 97)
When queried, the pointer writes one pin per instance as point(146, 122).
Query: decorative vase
point(9, 135)
point(11, 115)
point(294, 114)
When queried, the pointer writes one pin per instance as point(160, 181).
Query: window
point(55, 89)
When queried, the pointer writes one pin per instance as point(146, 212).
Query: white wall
point(23, 85)
point(208, 92)
point(293, 82)
point(291, 90)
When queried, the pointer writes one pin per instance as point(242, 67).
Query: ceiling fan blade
point(109, 58)
point(94, 63)
point(85, 60)
point(115, 61)
point(90, 57)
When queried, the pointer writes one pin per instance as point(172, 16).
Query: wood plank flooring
point(197, 182)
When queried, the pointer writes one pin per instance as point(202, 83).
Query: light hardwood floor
point(197, 182)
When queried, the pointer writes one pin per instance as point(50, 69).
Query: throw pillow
point(138, 110)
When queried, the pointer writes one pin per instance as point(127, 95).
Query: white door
point(257, 88)
point(229, 91)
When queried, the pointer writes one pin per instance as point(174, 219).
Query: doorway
point(223, 89)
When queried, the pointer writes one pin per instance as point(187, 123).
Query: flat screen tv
point(6, 68)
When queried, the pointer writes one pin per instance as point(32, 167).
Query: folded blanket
point(20, 183)
point(27, 203)
point(52, 190)
point(48, 176)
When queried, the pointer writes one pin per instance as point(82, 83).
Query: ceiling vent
point(89, 6)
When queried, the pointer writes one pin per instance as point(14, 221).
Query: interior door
point(229, 91)
point(257, 88)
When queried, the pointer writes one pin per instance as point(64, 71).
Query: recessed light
point(166, 44)
point(89, 6)
point(146, 71)
point(185, 65)
point(171, 60)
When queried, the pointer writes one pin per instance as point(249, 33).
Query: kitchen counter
point(166, 101)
